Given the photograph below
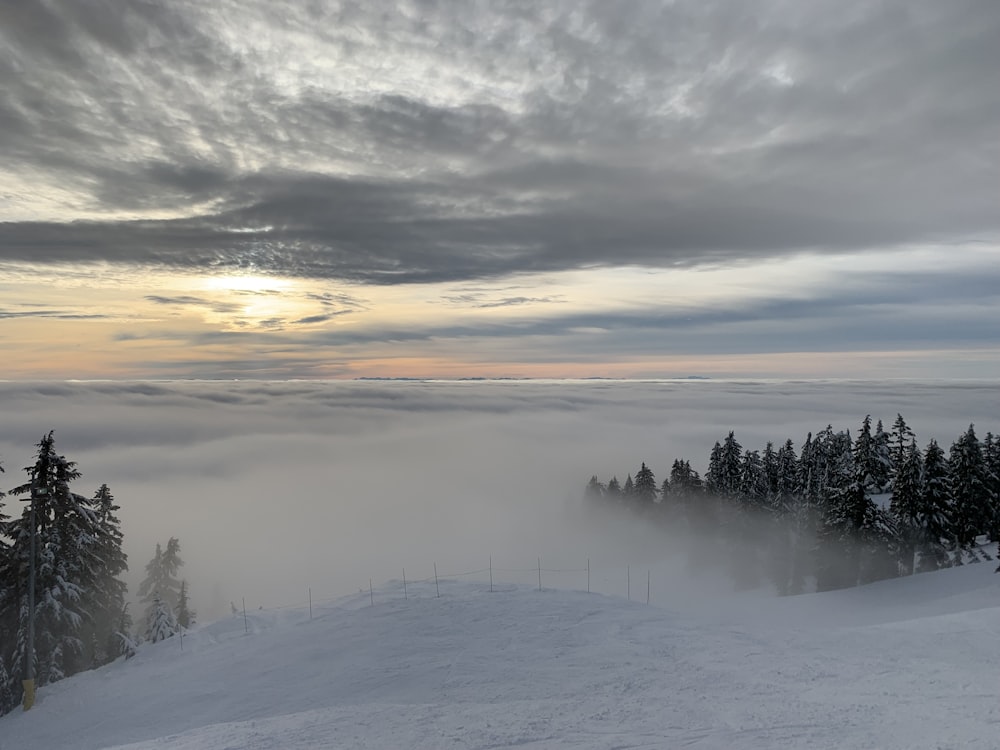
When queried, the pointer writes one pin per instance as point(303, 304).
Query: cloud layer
point(273, 488)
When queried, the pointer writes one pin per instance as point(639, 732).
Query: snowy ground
point(910, 663)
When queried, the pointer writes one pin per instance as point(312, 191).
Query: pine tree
point(906, 506)
point(970, 488)
point(105, 592)
point(899, 440)
point(873, 472)
point(613, 491)
point(991, 457)
point(161, 624)
point(644, 492)
point(730, 467)
point(185, 615)
point(935, 511)
point(7, 699)
point(161, 580)
point(752, 489)
point(882, 466)
point(594, 492)
point(628, 489)
point(65, 532)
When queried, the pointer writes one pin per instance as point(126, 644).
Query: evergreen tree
point(906, 506)
point(752, 489)
point(65, 529)
point(713, 477)
point(991, 456)
point(882, 467)
point(595, 490)
point(105, 592)
point(730, 467)
point(769, 463)
point(970, 488)
point(899, 440)
point(644, 492)
point(161, 624)
point(185, 615)
point(7, 699)
point(126, 646)
point(628, 489)
point(161, 580)
point(871, 456)
point(934, 516)
point(613, 491)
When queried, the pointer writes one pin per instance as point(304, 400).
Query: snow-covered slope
point(911, 663)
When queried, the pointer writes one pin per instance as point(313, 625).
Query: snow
point(906, 663)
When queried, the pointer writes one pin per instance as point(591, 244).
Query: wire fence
point(630, 582)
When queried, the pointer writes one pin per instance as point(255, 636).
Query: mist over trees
point(81, 615)
point(842, 510)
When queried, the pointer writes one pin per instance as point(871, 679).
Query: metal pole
point(628, 579)
point(436, 586)
point(371, 591)
point(246, 625)
point(588, 575)
point(404, 584)
point(310, 603)
point(539, 574)
point(647, 586)
point(491, 574)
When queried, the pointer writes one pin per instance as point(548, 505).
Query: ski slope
point(908, 663)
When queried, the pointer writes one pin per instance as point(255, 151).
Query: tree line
point(840, 511)
point(81, 617)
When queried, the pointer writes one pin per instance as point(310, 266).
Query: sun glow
point(251, 284)
point(254, 302)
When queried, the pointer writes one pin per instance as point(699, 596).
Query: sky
point(274, 488)
point(274, 190)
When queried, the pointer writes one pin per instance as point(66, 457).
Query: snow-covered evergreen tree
point(882, 467)
point(972, 497)
point(935, 511)
point(906, 506)
point(161, 581)
point(991, 456)
point(899, 440)
point(65, 535)
point(161, 624)
point(752, 490)
point(105, 591)
point(7, 698)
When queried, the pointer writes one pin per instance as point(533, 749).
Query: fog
point(274, 488)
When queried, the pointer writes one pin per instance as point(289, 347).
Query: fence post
point(436, 586)
point(371, 591)
point(246, 625)
point(588, 575)
point(310, 603)
point(647, 586)
point(628, 582)
point(404, 584)
point(491, 574)
point(539, 574)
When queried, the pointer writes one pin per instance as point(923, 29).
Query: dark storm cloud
point(550, 136)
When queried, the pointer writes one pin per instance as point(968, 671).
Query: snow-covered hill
point(911, 663)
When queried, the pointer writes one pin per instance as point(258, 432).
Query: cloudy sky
point(317, 189)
